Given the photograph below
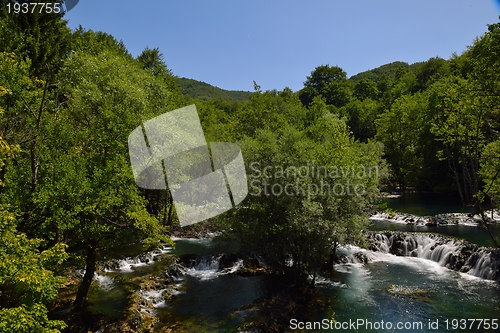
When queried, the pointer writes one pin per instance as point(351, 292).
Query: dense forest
point(204, 91)
point(69, 100)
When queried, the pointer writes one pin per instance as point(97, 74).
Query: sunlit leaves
point(25, 273)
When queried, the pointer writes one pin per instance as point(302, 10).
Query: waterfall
point(126, 265)
point(204, 267)
point(207, 263)
point(452, 253)
point(486, 265)
point(105, 282)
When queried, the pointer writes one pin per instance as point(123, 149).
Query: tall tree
point(89, 196)
point(459, 125)
point(43, 37)
point(153, 61)
point(398, 129)
point(26, 280)
point(307, 189)
point(329, 82)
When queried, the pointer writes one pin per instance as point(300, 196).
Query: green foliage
point(108, 97)
point(153, 61)
point(26, 280)
point(297, 218)
point(490, 170)
point(203, 91)
point(93, 43)
point(366, 88)
point(42, 37)
point(376, 74)
point(327, 81)
point(429, 72)
point(459, 125)
point(398, 129)
point(361, 116)
point(323, 76)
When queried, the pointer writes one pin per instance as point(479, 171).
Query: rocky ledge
point(491, 216)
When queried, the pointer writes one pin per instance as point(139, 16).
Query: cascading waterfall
point(127, 265)
point(486, 266)
point(210, 266)
point(455, 254)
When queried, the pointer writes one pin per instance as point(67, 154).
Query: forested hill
point(204, 91)
point(389, 70)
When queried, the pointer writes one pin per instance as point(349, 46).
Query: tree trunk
point(83, 290)
point(170, 203)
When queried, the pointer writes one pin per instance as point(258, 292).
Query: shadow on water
point(427, 203)
point(389, 288)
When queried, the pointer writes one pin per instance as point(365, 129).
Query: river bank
point(201, 285)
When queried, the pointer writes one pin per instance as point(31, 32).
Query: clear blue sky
point(278, 43)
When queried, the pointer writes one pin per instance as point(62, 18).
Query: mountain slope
point(388, 70)
point(205, 91)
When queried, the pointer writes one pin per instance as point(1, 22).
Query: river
point(413, 292)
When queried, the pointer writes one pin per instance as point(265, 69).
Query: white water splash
point(105, 282)
point(126, 265)
point(483, 267)
point(207, 268)
point(431, 248)
point(154, 297)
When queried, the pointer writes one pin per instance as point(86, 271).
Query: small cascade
point(105, 282)
point(154, 298)
point(382, 243)
point(484, 264)
point(204, 267)
point(211, 266)
point(440, 219)
point(206, 263)
point(126, 265)
point(454, 254)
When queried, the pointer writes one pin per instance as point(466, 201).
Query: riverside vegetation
point(69, 99)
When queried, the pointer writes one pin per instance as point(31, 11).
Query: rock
point(431, 222)
point(227, 260)
point(421, 295)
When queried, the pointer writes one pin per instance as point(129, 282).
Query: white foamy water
point(154, 297)
point(105, 282)
point(127, 265)
point(207, 268)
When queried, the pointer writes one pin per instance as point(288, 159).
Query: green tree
point(30, 109)
point(366, 88)
point(459, 125)
point(361, 116)
point(26, 280)
point(329, 82)
point(303, 181)
point(490, 171)
point(429, 72)
point(42, 37)
point(399, 129)
point(152, 60)
point(89, 196)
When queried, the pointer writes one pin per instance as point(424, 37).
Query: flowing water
point(409, 291)
point(414, 289)
point(427, 204)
